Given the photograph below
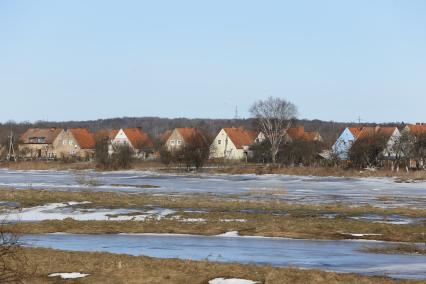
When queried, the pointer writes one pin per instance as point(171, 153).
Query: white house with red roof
point(136, 139)
point(233, 144)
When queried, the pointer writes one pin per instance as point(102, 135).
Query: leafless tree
point(403, 150)
point(13, 261)
point(274, 116)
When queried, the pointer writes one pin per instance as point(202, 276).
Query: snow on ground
point(233, 220)
point(231, 234)
point(188, 220)
point(380, 192)
point(231, 281)
point(69, 275)
point(361, 235)
point(61, 211)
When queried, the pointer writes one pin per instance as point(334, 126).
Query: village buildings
point(55, 143)
point(139, 141)
point(39, 143)
point(180, 137)
point(345, 141)
point(233, 144)
point(299, 133)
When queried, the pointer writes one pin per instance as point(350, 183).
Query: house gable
point(344, 143)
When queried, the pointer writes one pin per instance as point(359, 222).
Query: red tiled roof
point(33, 135)
point(240, 137)
point(386, 131)
point(137, 138)
point(187, 132)
point(110, 133)
point(165, 136)
point(83, 137)
point(355, 131)
point(366, 132)
point(417, 129)
point(299, 133)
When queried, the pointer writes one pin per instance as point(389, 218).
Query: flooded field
point(329, 211)
point(339, 256)
point(380, 192)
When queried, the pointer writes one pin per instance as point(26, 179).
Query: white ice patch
point(61, 211)
point(233, 220)
point(231, 234)
point(188, 220)
point(231, 281)
point(361, 235)
point(69, 275)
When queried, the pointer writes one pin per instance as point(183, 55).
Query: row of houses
point(391, 135)
point(233, 143)
point(52, 143)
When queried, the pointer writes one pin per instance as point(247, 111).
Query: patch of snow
point(361, 235)
point(231, 281)
point(231, 234)
point(61, 211)
point(180, 219)
point(192, 220)
point(69, 275)
point(233, 220)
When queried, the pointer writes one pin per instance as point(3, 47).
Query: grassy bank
point(224, 169)
point(289, 227)
point(30, 197)
point(398, 249)
point(115, 268)
point(218, 215)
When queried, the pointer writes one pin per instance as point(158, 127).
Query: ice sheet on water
point(231, 281)
point(383, 192)
point(61, 211)
point(69, 275)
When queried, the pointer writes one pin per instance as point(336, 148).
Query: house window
point(172, 142)
point(64, 142)
point(70, 142)
point(178, 142)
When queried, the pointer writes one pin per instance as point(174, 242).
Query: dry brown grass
point(274, 218)
point(240, 168)
point(115, 268)
point(31, 197)
point(256, 225)
point(317, 171)
point(47, 165)
point(397, 249)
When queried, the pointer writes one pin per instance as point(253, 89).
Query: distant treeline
point(154, 126)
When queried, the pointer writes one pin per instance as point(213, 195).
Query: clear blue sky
point(88, 59)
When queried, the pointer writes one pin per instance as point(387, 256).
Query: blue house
point(345, 141)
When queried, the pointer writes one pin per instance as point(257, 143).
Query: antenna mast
point(236, 116)
point(11, 154)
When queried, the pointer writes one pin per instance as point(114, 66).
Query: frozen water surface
point(383, 192)
point(339, 256)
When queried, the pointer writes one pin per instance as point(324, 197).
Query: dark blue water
point(340, 256)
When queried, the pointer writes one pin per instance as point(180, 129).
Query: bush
point(366, 152)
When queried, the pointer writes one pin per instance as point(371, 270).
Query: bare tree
point(403, 150)
point(13, 261)
point(274, 116)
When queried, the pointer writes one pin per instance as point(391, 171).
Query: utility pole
point(236, 116)
point(11, 154)
point(359, 119)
